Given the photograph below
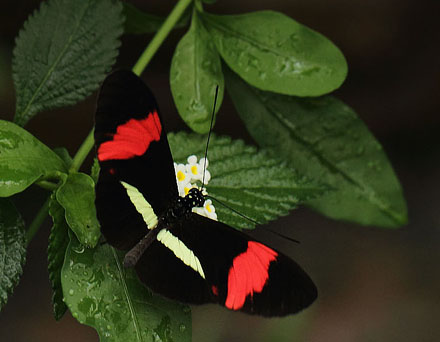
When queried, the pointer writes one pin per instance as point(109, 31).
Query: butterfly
point(177, 253)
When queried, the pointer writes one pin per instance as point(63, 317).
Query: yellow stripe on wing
point(141, 204)
point(180, 250)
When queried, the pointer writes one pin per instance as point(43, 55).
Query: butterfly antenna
point(235, 211)
point(209, 135)
point(253, 221)
point(215, 199)
point(281, 235)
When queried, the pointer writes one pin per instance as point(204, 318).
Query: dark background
point(374, 284)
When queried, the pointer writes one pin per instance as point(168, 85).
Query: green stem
point(47, 185)
point(138, 68)
point(37, 222)
point(199, 5)
point(160, 36)
point(82, 152)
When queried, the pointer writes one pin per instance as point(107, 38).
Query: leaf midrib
point(195, 61)
point(131, 308)
point(257, 44)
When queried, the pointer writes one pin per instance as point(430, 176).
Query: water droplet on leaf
point(78, 249)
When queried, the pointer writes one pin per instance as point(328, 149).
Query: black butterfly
point(177, 253)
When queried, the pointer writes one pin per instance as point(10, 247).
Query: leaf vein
point(127, 296)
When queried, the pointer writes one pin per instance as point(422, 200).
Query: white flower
point(208, 210)
point(203, 161)
point(203, 164)
point(182, 177)
point(184, 189)
point(195, 169)
point(187, 175)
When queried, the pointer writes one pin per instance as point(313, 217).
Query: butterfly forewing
point(131, 147)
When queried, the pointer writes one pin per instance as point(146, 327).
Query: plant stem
point(160, 36)
point(82, 152)
point(37, 222)
point(138, 68)
point(47, 185)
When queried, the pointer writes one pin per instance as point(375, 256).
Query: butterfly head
point(195, 197)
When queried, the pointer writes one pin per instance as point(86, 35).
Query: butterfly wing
point(200, 261)
point(133, 153)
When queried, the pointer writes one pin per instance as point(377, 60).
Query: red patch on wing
point(248, 274)
point(214, 290)
point(131, 139)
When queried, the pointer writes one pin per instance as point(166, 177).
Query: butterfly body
point(181, 209)
point(176, 252)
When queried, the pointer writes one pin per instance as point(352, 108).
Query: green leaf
point(324, 139)
point(274, 52)
point(195, 73)
point(12, 249)
point(77, 197)
point(63, 53)
point(256, 185)
point(102, 294)
point(58, 241)
point(24, 159)
point(138, 22)
point(64, 155)
point(94, 172)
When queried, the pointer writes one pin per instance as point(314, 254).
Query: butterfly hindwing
point(131, 147)
point(237, 272)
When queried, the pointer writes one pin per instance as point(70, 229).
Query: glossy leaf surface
point(195, 73)
point(102, 294)
point(324, 139)
point(24, 159)
point(77, 197)
point(274, 52)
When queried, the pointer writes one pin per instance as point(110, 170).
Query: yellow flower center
point(194, 169)
point(208, 207)
point(180, 176)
